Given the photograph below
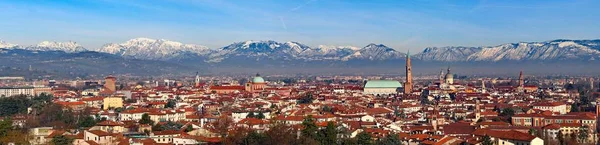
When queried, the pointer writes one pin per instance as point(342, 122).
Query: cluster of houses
point(440, 113)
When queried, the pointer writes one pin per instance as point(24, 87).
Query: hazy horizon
point(406, 25)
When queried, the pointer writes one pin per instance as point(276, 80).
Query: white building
point(12, 91)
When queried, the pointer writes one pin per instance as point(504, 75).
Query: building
point(112, 102)
point(110, 84)
point(510, 137)
point(449, 77)
point(408, 85)
point(382, 87)
point(557, 107)
point(12, 91)
point(256, 85)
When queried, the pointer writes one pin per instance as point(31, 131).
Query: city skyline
point(401, 25)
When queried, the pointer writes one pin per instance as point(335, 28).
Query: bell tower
point(408, 85)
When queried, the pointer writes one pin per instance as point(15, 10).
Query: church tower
point(197, 80)
point(483, 89)
point(521, 82)
point(408, 85)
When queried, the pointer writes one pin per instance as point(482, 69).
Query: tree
point(189, 128)
point(328, 135)
point(583, 133)
point(260, 115)
point(19, 137)
point(575, 107)
point(157, 127)
point(364, 138)
point(310, 128)
point(146, 119)
point(250, 115)
point(487, 140)
point(306, 99)
point(222, 124)
point(391, 139)
point(255, 138)
point(5, 126)
point(560, 137)
point(280, 133)
point(62, 140)
point(87, 121)
point(170, 103)
point(532, 131)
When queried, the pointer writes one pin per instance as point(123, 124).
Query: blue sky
point(401, 24)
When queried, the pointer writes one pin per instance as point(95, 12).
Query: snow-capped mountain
point(260, 50)
point(69, 47)
point(7, 45)
point(523, 51)
point(297, 51)
point(449, 53)
point(550, 50)
point(153, 49)
point(375, 52)
point(328, 52)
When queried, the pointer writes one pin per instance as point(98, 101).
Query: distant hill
point(145, 56)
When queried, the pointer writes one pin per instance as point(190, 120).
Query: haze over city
point(402, 25)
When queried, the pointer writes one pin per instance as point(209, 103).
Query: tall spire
point(521, 82)
point(408, 85)
point(197, 80)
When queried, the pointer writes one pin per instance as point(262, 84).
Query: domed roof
point(258, 79)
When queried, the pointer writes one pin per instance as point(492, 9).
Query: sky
point(401, 24)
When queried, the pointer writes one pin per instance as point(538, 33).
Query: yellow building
point(114, 102)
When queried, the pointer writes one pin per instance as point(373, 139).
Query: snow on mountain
point(69, 47)
point(523, 51)
point(154, 49)
point(446, 53)
point(550, 50)
point(260, 49)
point(297, 51)
point(7, 45)
point(375, 52)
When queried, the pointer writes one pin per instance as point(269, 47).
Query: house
point(99, 137)
point(508, 137)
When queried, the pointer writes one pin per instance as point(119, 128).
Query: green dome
point(258, 80)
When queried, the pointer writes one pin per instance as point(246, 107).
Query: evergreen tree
point(391, 139)
point(487, 140)
point(87, 121)
point(250, 115)
point(583, 133)
point(560, 137)
point(260, 115)
point(329, 134)
point(146, 119)
point(171, 103)
point(310, 128)
point(62, 140)
point(364, 138)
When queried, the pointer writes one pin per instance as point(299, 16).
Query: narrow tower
point(483, 89)
point(408, 85)
point(521, 82)
point(197, 80)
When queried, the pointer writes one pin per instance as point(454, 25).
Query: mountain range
point(293, 54)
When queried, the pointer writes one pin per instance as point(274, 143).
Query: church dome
point(258, 79)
